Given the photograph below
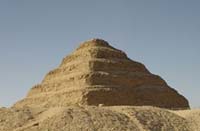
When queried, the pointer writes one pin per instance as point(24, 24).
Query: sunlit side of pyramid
point(96, 73)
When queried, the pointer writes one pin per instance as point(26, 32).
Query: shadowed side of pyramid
point(96, 73)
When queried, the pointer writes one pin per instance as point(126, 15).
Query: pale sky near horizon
point(36, 34)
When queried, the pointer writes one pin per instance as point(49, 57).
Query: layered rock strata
point(98, 74)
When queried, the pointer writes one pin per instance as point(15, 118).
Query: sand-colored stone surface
point(92, 118)
point(98, 88)
point(97, 73)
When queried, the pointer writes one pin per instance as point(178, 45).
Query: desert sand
point(93, 118)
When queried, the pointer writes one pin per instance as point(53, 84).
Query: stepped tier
point(97, 73)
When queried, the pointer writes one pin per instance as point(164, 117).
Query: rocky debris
point(92, 118)
point(97, 73)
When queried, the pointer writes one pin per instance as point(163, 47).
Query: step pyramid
point(98, 74)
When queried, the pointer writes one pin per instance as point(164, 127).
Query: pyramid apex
point(97, 41)
point(94, 42)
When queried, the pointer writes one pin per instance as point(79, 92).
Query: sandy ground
point(91, 118)
point(192, 116)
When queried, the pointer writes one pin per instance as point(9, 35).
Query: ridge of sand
point(93, 118)
point(192, 116)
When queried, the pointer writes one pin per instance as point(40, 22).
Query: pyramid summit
point(98, 74)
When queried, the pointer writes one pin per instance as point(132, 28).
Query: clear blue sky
point(36, 34)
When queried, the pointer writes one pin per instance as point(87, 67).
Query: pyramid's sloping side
point(97, 73)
